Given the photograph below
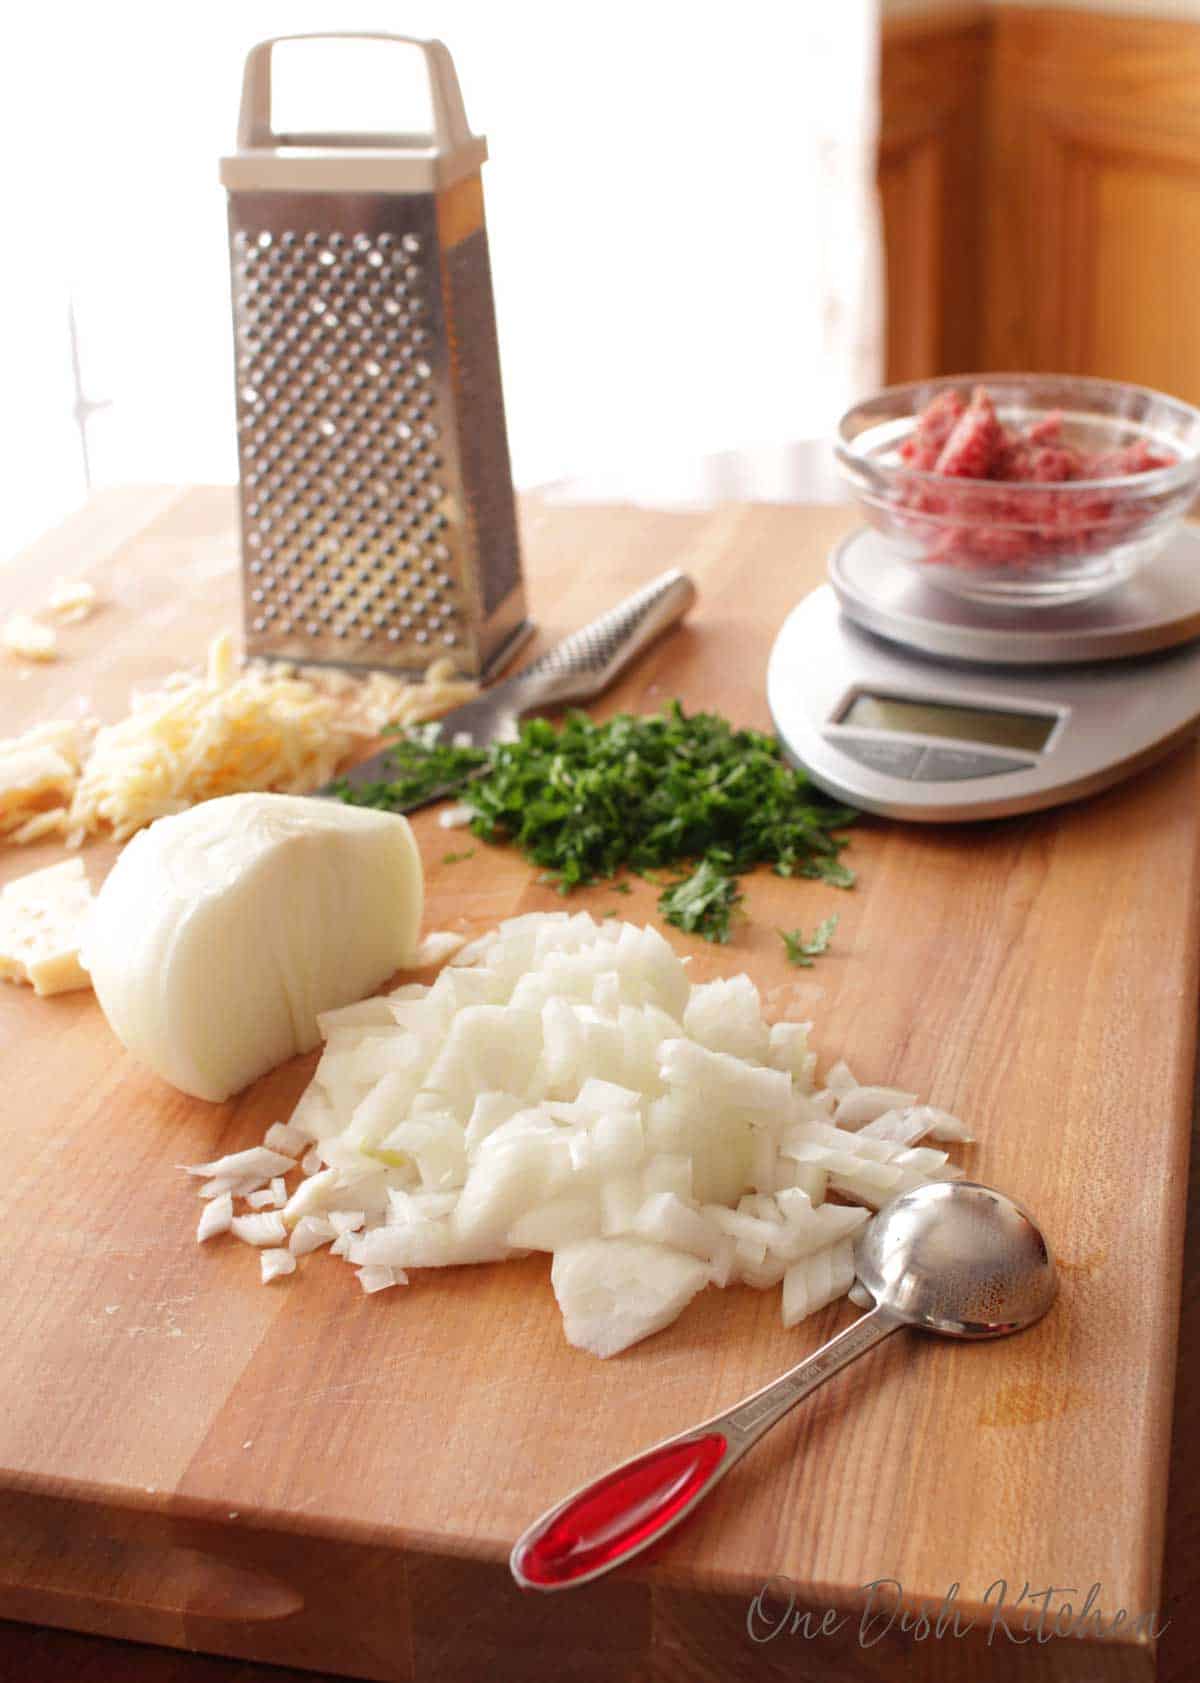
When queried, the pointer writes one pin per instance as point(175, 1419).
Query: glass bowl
point(1024, 542)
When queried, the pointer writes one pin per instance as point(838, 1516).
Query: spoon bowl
point(957, 1258)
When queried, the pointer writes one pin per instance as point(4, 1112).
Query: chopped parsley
point(454, 858)
point(802, 949)
point(420, 769)
point(702, 903)
point(586, 801)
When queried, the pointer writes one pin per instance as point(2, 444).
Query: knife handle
point(584, 664)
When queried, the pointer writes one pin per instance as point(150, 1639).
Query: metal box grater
point(378, 522)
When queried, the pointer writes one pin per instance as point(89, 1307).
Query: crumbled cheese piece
point(38, 772)
point(71, 600)
point(34, 780)
point(25, 638)
point(41, 925)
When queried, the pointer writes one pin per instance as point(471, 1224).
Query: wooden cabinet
point(930, 159)
point(1049, 215)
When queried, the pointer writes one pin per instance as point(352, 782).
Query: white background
point(679, 204)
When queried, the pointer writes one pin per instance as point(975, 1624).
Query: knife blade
point(577, 669)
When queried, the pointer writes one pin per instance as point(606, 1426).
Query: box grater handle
point(584, 664)
point(451, 131)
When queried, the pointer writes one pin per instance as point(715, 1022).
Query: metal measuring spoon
point(952, 1257)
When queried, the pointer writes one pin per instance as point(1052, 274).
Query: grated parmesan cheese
point(223, 734)
point(193, 738)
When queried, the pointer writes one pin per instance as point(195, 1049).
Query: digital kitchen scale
point(906, 700)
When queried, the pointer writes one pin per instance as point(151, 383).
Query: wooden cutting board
point(304, 1475)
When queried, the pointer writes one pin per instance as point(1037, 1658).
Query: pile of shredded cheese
point(226, 732)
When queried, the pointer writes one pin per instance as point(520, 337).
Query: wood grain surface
point(302, 1476)
point(1039, 176)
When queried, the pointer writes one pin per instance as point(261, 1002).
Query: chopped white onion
point(817, 1281)
point(840, 1079)
point(436, 947)
point(265, 1228)
point(258, 1163)
point(218, 1187)
point(900, 1127)
point(274, 1263)
point(562, 1087)
point(379, 1279)
point(865, 1104)
point(944, 1126)
point(310, 1233)
point(215, 1217)
point(288, 1141)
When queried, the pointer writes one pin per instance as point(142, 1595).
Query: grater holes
point(344, 337)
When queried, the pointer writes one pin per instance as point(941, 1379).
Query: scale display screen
point(1028, 731)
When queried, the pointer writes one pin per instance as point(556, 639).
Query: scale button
point(897, 759)
point(955, 765)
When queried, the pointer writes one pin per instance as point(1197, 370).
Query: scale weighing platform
point(903, 699)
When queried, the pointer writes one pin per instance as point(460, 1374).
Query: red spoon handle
point(627, 1509)
point(621, 1513)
